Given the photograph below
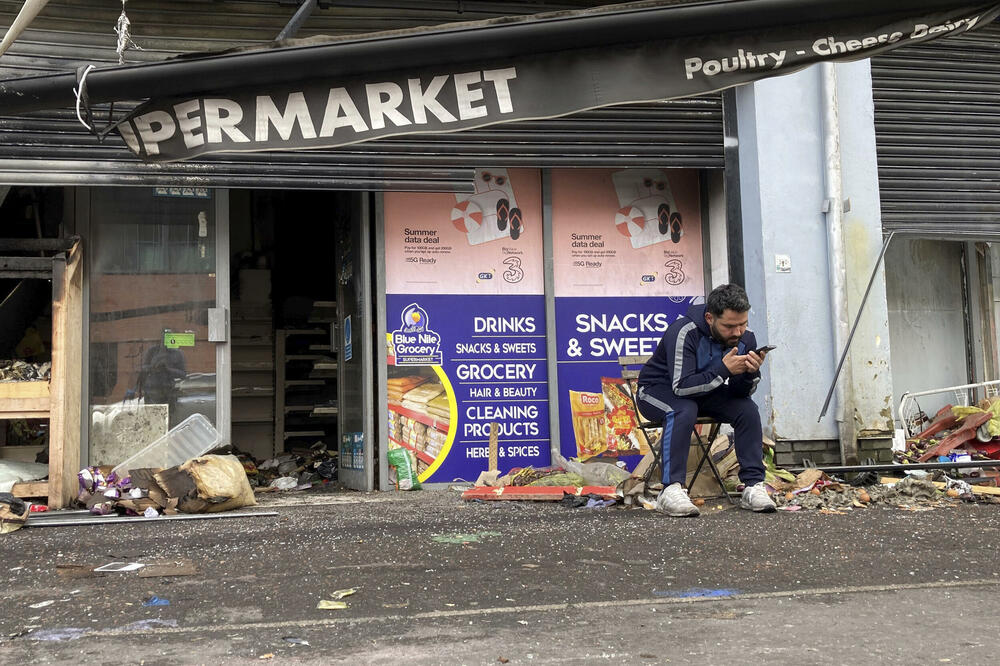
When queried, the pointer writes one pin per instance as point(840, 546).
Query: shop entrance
point(301, 364)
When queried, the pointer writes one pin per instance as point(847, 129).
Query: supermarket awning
point(330, 92)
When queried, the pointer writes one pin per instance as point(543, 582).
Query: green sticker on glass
point(175, 340)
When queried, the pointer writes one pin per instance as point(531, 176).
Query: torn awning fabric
point(327, 112)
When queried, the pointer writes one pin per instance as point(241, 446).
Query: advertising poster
point(627, 262)
point(465, 313)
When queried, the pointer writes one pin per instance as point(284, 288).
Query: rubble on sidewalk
point(299, 469)
point(571, 478)
point(206, 484)
point(815, 490)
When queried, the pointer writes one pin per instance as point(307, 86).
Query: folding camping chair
point(630, 366)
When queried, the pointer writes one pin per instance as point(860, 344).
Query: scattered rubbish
point(284, 483)
point(23, 371)
point(295, 641)
point(150, 512)
point(13, 513)
point(117, 567)
point(956, 434)
point(191, 438)
point(522, 622)
point(156, 601)
point(38, 508)
point(594, 503)
point(503, 660)
point(307, 466)
point(269, 655)
point(463, 538)
point(326, 604)
point(42, 604)
point(208, 484)
point(403, 469)
point(340, 594)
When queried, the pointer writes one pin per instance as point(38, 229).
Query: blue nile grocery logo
point(414, 342)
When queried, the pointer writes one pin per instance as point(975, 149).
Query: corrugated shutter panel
point(937, 128)
point(53, 148)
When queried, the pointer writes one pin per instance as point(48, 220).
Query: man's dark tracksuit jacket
point(686, 377)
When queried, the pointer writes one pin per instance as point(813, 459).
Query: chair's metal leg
point(706, 455)
point(718, 477)
point(657, 456)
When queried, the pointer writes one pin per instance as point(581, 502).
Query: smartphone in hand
point(765, 349)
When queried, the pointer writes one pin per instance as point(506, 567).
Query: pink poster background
point(468, 252)
point(587, 202)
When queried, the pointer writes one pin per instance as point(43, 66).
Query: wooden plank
point(25, 275)
point(37, 244)
point(633, 360)
point(976, 490)
point(37, 264)
point(67, 379)
point(24, 400)
point(20, 453)
point(24, 390)
point(31, 489)
point(494, 446)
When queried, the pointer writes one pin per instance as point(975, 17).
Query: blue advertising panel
point(465, 333)
point(627, 262)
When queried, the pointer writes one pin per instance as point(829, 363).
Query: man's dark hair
point(727, 297)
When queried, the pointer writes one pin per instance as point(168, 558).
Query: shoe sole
point(677, 514)
point(767, 509)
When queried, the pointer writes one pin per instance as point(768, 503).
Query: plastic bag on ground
point(404, 464)
point(595, 473)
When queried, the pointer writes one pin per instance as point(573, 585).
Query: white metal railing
point(913, 418)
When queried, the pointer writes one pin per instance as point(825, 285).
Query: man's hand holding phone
point(755, 358)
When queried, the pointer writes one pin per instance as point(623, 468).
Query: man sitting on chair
point(706, 365)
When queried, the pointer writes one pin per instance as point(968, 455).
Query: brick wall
point(789, 453)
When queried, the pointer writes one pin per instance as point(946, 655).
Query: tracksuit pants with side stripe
point(658, 402)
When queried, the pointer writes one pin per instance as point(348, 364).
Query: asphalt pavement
point(442, 581)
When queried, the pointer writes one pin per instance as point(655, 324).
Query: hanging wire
point(81, 92)
point(124, 36)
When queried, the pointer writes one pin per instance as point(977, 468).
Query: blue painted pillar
point(783, 175)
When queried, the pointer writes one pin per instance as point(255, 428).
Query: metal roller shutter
point(937, 128)
point(53, 148)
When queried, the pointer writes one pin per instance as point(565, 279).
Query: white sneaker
point(674, 501)
point(755, 498)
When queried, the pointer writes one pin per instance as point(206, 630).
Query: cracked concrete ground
point(525, 582)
